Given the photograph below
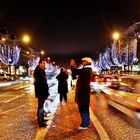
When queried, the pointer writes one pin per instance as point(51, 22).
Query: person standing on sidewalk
point(62, 84)
point(41, 90)
point(82, 96)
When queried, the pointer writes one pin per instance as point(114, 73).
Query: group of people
point(82, 89)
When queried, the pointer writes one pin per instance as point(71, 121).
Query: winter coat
point(82, 96)
point(62, 82)
point(40, 82)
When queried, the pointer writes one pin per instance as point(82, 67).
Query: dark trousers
point(63, 96)
point(84, 112)
point(40, 111)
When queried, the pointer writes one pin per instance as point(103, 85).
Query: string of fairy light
point(111, 56)
point(9, 54)
point(120, 53)
point(107, 59)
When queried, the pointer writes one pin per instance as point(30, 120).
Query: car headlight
point(138, 99)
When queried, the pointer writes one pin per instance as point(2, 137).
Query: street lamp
point(3, 39)
point(116, 41)
point(116, 35)
point(10, 50)
point(26, 38)
point(48, 59)
point(42, 53)
point(128, 45)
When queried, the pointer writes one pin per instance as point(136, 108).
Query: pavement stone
point(66, 122)
point(21, 123)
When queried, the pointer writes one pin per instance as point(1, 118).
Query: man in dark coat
point(41, 90)
point(62, 84)
point(82, 96)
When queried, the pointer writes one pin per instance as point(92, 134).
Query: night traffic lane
point(113, 121)
point(18, 118)
point(17, 114)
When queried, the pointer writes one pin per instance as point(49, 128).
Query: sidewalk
point(66, 122)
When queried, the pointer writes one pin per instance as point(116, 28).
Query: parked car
point(6, 77)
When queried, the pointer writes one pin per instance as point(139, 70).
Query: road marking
point(18, 96)
point(14, 87)
point(40, 135)
point(12, 109)
point(41, 132)
point(102, 133)
point(21, 87)
point(9, 87)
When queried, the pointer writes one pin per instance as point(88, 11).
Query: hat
point(88, 59)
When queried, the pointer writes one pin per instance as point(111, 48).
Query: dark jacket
point(62, 82)
point(82, 96)
point(40, 82)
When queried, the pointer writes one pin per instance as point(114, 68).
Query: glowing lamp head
point(26, 38)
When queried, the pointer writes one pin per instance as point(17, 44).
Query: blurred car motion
point(126, 97)
point(130, 83)
point(97, 84)
point(127, 83)
point(111, 81)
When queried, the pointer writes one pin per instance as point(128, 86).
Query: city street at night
point(18, 117)
point(70, 70)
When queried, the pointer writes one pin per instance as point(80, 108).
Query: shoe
point(46, 113)
point(42, 125)
point(82, 128)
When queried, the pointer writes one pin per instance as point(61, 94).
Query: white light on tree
point(11, 53)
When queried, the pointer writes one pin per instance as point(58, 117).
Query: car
point(6, 77)
point(25, 78)
point(97, 84)
point(130, 83)
point(111, 81)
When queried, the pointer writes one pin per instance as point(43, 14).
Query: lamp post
point(26, 40)
point(42, 54)
point(116, 41)
point(128, 45)
point(10, 50)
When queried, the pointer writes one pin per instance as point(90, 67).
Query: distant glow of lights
point(42, 52)
point(27, 52)
point(138, 100)
point(96, 85)
point(33, 63)
point(3, 39)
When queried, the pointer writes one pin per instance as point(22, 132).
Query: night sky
point(69, 29)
